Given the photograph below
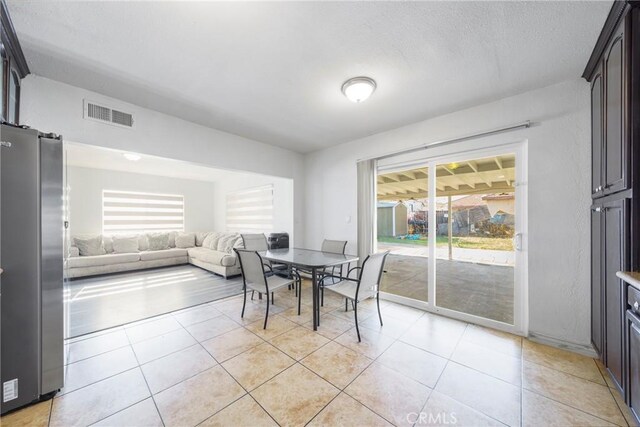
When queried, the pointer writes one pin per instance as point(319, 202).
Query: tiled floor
point(207, 366)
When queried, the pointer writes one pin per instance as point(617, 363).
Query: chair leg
point(259, 295)
point(273, 299)
point(322, 296)
point(266, 316)
point(355, 313)
point(299, 295)
point(244, 301)
point(346, 302)
point(252, 292)
point(379, 314)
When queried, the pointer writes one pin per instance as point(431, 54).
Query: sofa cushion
point(125, 244)
point(225, 244)
point(143, 242)
point(89, 246)
point(211, 241)
point(158, 241)
point(107, 241)
point(172, 239)
point(74, 251)
point(212, 257)
point(167, 253)
point(98, 260)
point(200, 236)
point(185, 240)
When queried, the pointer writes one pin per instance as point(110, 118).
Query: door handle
point(517, 241)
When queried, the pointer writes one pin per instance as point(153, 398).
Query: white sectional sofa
point(97, 254)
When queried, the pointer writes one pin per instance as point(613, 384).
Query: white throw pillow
point(172, 239)
point(158, 241)
point(185, 240)
point(125, 244)
point(225, 244)
point(143, 242)
point(89, 246)
point(211, 241)
point(107, 241)
point(200, 236)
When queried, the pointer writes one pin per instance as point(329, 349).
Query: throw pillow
point(125, 244)
point(225, 244)
point(185, 240)
point(200, 236)
point(143, 242)
point(90, 246)
point(211, 241)
point(172, 239)
point(158, 241)
point(107, 241)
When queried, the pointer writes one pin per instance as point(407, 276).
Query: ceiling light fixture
point(358, 89)
point(132, 156)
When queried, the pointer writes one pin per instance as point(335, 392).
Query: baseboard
point(586, 350)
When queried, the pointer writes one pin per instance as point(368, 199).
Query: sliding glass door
point(453, 225)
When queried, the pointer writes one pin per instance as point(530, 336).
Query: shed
point(392, 219)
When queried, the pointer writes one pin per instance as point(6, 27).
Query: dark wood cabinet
point(615, 214)
point(613, 71)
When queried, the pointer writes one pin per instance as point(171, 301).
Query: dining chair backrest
point(334, 246)
point(371, 273)
point(251, 266)
point(255, 242)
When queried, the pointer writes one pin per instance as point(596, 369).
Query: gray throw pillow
point(125, 244)
point(185, 240)
point(90, 246)
point(158, 241)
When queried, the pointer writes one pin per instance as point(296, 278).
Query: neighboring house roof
point(503, 196)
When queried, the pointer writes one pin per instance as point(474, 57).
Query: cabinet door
point(597, 297)
point(616, 149)
point(597, 140)
point(615, 232)
point(633, 364)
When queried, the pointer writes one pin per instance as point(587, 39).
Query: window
point(250, 210)
point(14, 97)
point(130, 212)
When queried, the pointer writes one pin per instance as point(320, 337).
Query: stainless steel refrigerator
point(31, 257)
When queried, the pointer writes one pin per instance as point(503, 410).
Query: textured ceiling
point(273, 71)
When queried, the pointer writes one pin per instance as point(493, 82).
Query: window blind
point(132, 212)
point(250, 210)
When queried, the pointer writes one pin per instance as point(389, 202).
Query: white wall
point(52, 106)
point(558, 193)
point(283, 200)
point(85, 197)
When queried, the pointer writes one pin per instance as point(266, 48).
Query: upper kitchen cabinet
point(12, 70)
point(610, 101)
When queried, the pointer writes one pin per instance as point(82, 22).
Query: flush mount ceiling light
point(358, 89)
point(132, 156)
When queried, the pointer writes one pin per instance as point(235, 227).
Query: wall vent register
point(100, 113)
point(127, 212)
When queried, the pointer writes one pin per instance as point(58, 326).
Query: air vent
point(100, 113)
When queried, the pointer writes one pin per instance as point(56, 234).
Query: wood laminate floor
point(102, 302)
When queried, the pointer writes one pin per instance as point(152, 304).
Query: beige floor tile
point(255, 366)
point(100, 400)
point(498, 341)
point(499, 365)
point(232, 343)
point(605, 375)
point(32, 416)
point(196, 399)
point(299, 342)
point(150, 329)
point(243, 412)
point(626, 412)
point(331, 326)
point(363, 313)
point(401, 312)
point(90, 347)
point(562, 360)
point(295, 396)
point(413, 362)
point(157, 347)
point(538, 410)
point(306, 314)
point(276, 325)
point(491, 396)
point(345, 411)
point(212, 328)
point(391, 326)
point(436, 334)
point(579, 393)
point(392, 395)
point(252, 313)
point(170, 370)
point(143, 414)
point(441, 410)
point(197, 314)
point(337, 364)
point(373, 343)
point(94, 369)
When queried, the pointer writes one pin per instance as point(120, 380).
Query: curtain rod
point(525, 124)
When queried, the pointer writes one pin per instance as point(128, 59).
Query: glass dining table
point(311, 261)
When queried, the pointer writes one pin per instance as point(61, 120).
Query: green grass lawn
point(492, 243)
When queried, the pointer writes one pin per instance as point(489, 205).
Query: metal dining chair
point(255, 277)
point(335, 247)
point(367, 285)
point(258, 242)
